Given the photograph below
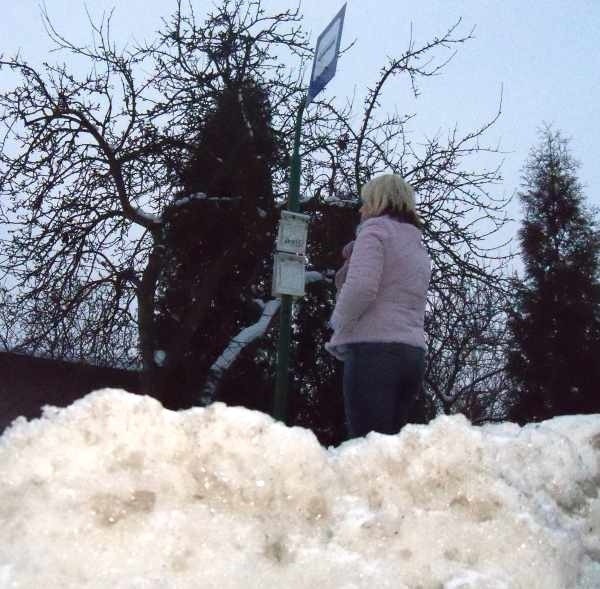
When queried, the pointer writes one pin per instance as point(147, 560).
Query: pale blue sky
point(545, 54)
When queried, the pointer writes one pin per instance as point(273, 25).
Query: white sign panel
point(326, 55)
point(293, 233)
point(288, 275)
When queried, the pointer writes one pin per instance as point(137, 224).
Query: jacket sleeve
point(363, 279)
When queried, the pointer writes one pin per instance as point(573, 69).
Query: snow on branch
point(149, 217)
point(314, 276)
point(183, 201)
point(202, 196)
point(244, 115)
point(246, 337)
point(235, 347)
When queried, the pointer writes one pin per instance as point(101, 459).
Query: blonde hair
point(389, 194)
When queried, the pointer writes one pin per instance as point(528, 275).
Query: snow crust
point(116, 492)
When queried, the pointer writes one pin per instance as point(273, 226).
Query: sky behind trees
point(542, 57)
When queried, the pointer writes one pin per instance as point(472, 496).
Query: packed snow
point(117, 492)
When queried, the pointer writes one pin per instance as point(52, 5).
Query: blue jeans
point(381, 384)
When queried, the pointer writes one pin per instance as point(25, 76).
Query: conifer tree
point(218, 237)
point(555, 324)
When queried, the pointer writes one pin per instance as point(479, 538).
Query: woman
point(378, 317)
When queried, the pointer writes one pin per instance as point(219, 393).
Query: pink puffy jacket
point(383, 296)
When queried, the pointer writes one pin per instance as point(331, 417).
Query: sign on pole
point(293, 233)
point(289, 267)
point(326, 55)
point(288, 275)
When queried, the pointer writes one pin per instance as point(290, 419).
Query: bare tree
point(463, 225)
point(461, 214)
point(90, 169)
point(468, 338)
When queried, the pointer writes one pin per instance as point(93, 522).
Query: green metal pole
point(283, 360)
point(285, 313)
point(294, 199)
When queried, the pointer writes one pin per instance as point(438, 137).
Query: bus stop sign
point(326, 55)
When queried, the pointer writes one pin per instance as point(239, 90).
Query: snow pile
point(116, 492)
